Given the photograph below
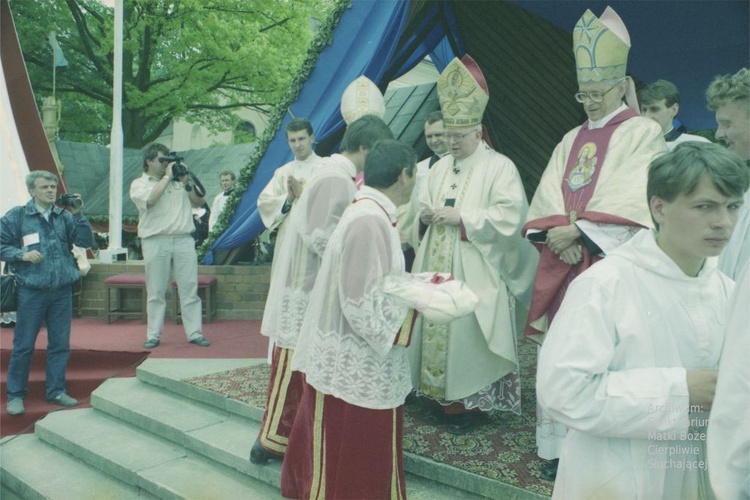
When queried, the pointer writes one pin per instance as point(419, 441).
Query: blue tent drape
point(370, 41)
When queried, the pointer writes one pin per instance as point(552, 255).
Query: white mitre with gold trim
point(601, 47)
point(462, 91)
point(362, 97)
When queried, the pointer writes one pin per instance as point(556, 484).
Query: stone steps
point(155, 436)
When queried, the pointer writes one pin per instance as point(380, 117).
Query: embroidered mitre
point(362, 97)
point(463, 94)
point(601, 47)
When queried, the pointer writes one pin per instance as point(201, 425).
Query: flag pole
point(116, 140)
point(114, 251)
point(54, 72)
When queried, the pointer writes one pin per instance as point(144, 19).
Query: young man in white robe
point(729, 425)
point(660, 101)
point(629, 362)
point(347, 439)
point(277, 199)
point(317, 211)
point(729, 97)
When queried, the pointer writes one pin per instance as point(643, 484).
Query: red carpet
point(100, 351)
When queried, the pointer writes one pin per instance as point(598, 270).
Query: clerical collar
point(471, 159)
point(603, 121)
point(228, 191)
point(672, 134)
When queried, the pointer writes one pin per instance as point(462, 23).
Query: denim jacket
point(55, 242)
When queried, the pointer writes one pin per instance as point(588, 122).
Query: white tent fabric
point(13, 165)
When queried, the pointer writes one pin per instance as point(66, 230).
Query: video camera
point(69, 200)
point(178, 169)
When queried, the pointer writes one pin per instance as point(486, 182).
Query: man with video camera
point(165, 195)
point(36, 241)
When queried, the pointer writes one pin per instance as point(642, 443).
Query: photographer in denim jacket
point(36, 240)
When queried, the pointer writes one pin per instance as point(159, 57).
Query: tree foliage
point(193, 59)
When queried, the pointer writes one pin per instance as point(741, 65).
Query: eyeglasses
point(451, 136)
point(594, 96)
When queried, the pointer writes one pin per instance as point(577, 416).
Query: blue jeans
point(55, 307)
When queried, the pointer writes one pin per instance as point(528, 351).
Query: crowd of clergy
point(393, 278)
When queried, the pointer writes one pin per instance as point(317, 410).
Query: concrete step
point(170, 374)
point(156, 436)
point(34, 470)
point(219, 435)
point(144, 460)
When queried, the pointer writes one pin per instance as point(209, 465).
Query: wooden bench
point(121, 282)
point(207, 283)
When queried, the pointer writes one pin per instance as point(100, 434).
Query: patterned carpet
point(503, 449)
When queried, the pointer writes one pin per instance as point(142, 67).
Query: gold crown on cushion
point(462, 91)
point(362, 97)
point(601, 47)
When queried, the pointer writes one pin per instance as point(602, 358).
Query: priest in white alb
point(630, 362)
point(316, 212)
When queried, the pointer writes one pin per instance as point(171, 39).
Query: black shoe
point(463, 423)
point(434, 417)
point(549, 471)
point(260, 456)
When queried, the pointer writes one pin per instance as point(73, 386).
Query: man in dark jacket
point(36, 240)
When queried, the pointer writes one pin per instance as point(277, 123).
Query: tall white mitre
point(362, 97)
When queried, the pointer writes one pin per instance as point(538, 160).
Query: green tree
point(192, 59)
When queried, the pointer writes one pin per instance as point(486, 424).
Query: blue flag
point(57, 53)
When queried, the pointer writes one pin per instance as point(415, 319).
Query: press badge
point(31, 239)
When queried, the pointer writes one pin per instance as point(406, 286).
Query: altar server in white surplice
point(297, 260)
point(630, 362)
point(278, 197)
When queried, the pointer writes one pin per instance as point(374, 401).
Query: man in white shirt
point(165, 224)
point(227, 180)
point(660, 101)
point(729, 97)
point(629, 363)
point(353, 351)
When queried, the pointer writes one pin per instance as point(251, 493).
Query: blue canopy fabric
point(688, 43)
point(368, 40)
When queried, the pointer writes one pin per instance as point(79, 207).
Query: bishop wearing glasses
point(592, 195)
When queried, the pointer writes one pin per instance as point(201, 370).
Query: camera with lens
point(69, 200)
point(178, 169)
